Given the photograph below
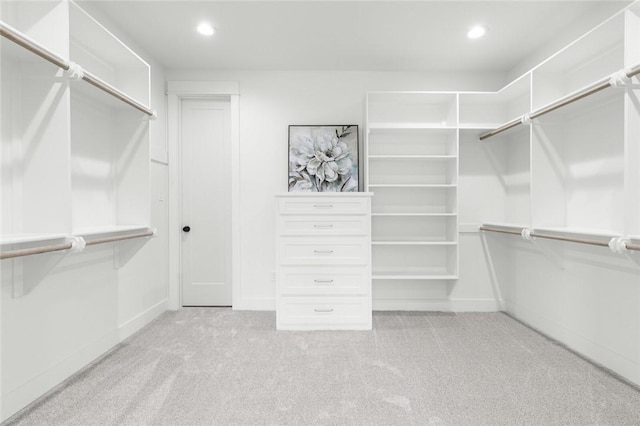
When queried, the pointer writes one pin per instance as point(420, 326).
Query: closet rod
point(570, 239)
point(34, 250)
point(571, 98)
point(106, 87)
point(31, 45)
point(28, 43)
point(595, 87)
point(632, 246)
point(502, 231)
point(120, 238)
point(628, 245)
point(506, 126)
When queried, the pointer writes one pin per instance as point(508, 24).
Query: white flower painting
point(323, 158)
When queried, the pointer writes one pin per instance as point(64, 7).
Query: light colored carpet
point(202, 366)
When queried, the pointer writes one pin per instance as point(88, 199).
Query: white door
point(206, 233)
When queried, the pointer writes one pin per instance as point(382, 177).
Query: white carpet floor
point(205, 366)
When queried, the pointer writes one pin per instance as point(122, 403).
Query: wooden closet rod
point(595, 87)
point(66, 246)
point(34, 250)
point(533, 233)
point(500, 230)
point(119, 238)
point(570, 239)
point(33, 46)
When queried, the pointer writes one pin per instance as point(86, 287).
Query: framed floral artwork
point(323, 158)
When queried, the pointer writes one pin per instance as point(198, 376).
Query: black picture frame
point(323, 158)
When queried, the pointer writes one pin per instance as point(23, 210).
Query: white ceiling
point(343, 35)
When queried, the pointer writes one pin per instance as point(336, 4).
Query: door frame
point(177, 91)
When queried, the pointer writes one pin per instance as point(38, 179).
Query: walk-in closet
point(319, 212)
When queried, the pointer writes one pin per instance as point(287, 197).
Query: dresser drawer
point(323, 251)
point(326, 313)
point(324, 225)
point(325, 205)
point(319, 280)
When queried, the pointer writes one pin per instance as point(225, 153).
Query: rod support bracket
point(619, 79)
point(618, 245)
point(75, 71)
point(77, 244)
point(154, 115)
point(526, 119)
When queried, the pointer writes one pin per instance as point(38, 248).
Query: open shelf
point(435, 229)
point(8, 240)
point(416, 157)
point(491, 110)
point(411, 275)
point(408, 185)
point(424, 171)
point(409, 126)
point(108, 230)
point(432, 142)
point(97, 50)
point(414, 260)
point(409, 214)
point(411, 110)
point(415, 243)
point(414, 200)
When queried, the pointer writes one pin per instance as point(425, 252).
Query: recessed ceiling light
point(477, 31)
point(206, 29)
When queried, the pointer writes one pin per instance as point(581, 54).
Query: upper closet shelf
point(617, 79)
point(73, 70)
point(411, 185)
point(8, 240)
point(106, 230)
point(416, 156)
point(408, 126)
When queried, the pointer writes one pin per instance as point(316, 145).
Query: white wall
point(586, 297)
point(272, 100)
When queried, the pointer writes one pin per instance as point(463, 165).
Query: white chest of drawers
point(323, 255)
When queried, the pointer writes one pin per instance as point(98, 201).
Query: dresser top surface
point(324, 194)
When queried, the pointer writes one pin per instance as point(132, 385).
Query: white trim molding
point(202, 88)
point(176, 92)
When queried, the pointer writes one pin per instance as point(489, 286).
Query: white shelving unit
point(412, 169)
point(75, 158)
point(572, 167)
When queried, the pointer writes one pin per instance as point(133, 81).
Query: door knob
point(186, 229)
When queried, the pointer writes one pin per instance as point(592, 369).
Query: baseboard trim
point(583, 346)
point(475, 305)
point(139, 321)
point(17, 399)
point(256, 304)
point(411, 305)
